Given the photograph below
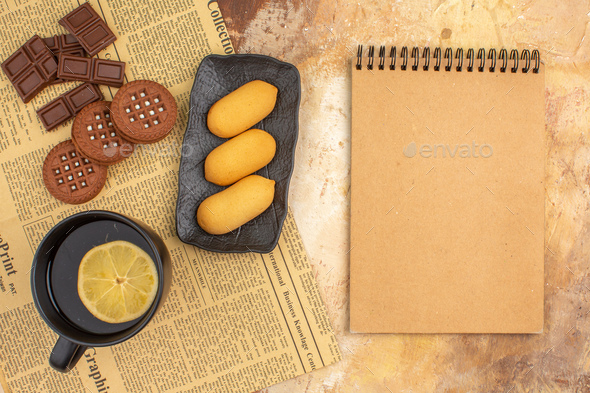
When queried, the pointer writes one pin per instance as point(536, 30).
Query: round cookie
point(96, 136)
point(70, 177)
point(144, 111)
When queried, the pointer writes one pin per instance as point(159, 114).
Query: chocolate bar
point(31, 68)
point(65, 43)
point(93, 70)
point(66, 106)
point(89, 29)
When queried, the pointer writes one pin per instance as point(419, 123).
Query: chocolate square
point(29, 83)
point(36, 47)
point(52, 43)
point(68, 41)
point(48, 66)
point(16, 63)
point(74, 68)
point(108, 72)
point(96, 38)
point(54, 113)
point(79, 18)
point(82, 96)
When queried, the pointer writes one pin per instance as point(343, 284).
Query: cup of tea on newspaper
point(97, 279)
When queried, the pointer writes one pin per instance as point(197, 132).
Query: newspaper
point(231, 322)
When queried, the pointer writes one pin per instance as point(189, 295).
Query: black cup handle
point(65, 355)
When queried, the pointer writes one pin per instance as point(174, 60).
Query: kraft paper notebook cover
point(447, 192)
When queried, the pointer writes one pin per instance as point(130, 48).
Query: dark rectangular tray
point(216, 77)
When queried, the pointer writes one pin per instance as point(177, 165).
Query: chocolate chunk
point(30, 83)
point(52, 43)
point(79, 19)
point(17, 63)
point(36, 47)
point(65, 43)
point(48, 66)
point(31, 68)
point(82, 96)
point(74, 68)
point(68, 43)
point(90, 30)
point(108, 72)
point(66, 106)
point(97, 71)
point(55, 113)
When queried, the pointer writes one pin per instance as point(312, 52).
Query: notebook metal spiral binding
point(405, 57)
point(492, 57)
point(481, 55)
point(426, 57)
point(372, 56)
point(437, 57)
point(449, 56)
point(393, 56)
point(470, 57)
point(459, 56)
point(359, 58)
point(527, 56)
point(381, 57)
point(416, 57)
point(514, 56)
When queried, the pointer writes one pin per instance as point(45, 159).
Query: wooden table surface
point(320, 37)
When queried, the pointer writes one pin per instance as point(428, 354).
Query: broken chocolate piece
point(31, 68)
point(90, 30)
point(66, 44)
point(66, 106)
point(93, 70)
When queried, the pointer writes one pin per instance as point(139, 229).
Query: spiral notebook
point(447, 191)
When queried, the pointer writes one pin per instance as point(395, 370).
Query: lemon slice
point(117, 281)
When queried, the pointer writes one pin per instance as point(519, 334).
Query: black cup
point(74, 337)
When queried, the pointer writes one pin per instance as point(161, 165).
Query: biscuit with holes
point(96, 136)
point(144, 111)
point(70, 177)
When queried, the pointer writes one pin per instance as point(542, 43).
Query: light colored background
point(320, 37)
